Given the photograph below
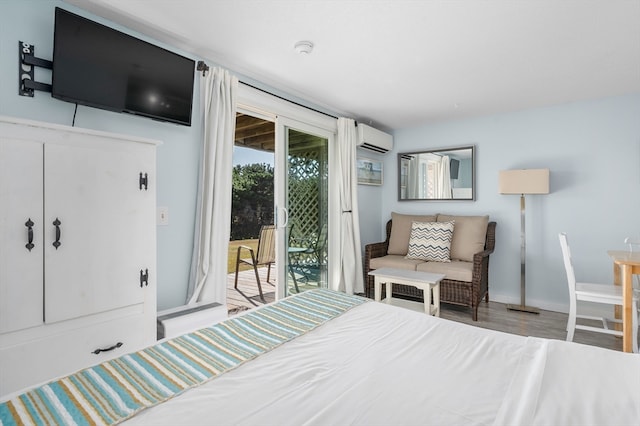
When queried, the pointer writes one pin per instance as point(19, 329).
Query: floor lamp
point(526, 181)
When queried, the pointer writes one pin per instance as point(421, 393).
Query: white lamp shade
point(524, 181)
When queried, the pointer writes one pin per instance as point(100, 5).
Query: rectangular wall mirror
point(439, 174)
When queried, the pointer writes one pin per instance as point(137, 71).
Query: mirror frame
point(438, 151)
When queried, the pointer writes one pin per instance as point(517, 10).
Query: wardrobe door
point(100, 226)
point(21, 234)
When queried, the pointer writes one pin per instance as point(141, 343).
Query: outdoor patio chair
point(265, 255)
point(318, 248)
point(309, 259)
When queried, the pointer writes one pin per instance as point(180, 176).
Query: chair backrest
point(321, 241)
point(290, 229)
point(633, 243)
point(266, 245)
point(568, 266)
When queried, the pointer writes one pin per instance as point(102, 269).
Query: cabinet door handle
point(29, 224)
point(57, 224)
point(116, 346)
point(144, 278)
point(144, 181)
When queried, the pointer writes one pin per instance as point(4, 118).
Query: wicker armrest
point(376, 249)
point(477, 257)
point(480, 277)
point(481, 258)
point(372, 251)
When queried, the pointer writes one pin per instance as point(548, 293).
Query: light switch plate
point(163, 216)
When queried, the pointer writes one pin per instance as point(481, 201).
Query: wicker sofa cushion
point(468, 237)
point(431, 241)
point(401, 231)
point(457, 270)
point(394, 261)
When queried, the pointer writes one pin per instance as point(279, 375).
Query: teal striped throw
point(115, 390)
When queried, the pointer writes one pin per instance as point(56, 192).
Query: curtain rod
point(288, 100)
point(202, 66)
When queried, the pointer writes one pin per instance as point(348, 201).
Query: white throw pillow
point(431, 241)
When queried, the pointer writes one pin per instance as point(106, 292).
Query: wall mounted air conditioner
point(374, 139)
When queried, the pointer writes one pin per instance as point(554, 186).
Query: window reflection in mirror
point(442, 174)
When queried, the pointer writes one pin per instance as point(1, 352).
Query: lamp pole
point(523, 254)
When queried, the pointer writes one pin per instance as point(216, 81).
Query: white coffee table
point(425, 281)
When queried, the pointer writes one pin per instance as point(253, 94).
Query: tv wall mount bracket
point(26, 70)
point(202, 66)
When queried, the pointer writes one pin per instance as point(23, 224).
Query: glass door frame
point(281, 196)
point(256, 101)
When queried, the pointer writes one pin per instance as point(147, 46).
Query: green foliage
point(252, 202)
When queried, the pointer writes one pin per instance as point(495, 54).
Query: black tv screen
point(97, 66)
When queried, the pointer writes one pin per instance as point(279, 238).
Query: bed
point(348, 360)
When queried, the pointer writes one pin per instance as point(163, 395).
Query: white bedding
point(381, 365)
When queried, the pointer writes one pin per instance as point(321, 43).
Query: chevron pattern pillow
point(431, 241)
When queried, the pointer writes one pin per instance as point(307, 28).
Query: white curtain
point(208, 279)
point(350, 251)
point(443, 178)
point(413, 178)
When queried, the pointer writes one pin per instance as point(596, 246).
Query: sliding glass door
point(302, 205)
point(305, 194)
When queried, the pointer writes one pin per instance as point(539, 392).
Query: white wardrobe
point(77, 249)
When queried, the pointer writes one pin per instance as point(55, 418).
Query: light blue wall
point(32, 21)
point(593, 152)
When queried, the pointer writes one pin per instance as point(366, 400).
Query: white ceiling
point(400, 63)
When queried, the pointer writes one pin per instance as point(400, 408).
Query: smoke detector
point(303, 47)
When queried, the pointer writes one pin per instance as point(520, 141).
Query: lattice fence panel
point(307, 196)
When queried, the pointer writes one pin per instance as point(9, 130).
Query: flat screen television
point(98, 66)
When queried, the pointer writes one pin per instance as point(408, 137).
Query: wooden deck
point(246, 296)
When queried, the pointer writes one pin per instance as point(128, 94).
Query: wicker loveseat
point(466, 279)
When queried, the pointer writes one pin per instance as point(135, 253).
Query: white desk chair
point(634, 245)
point(597, 293)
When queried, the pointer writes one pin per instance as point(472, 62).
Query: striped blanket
point(115, 390)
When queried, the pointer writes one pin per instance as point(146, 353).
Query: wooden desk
point(625, 264)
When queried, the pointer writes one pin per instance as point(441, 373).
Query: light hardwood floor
point(492, 315)
point(547, 324)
